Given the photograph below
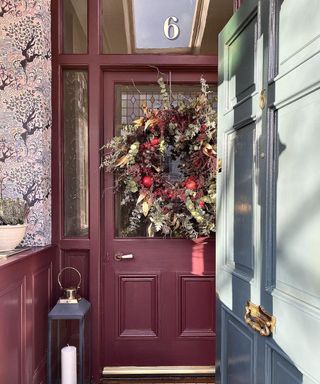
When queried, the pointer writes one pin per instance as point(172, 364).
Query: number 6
point(169, 26)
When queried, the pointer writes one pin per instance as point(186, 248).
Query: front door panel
point(268, 205)
point(239, 127)
point(158, 305)
point(295, 277)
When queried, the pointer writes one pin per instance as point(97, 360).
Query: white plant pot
point(11, 236)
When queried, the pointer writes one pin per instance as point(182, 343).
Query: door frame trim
point(110, 76)
point(87, 251)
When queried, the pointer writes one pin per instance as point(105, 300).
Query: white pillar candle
point(69, 365)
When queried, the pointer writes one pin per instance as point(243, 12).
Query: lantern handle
point(74, 269)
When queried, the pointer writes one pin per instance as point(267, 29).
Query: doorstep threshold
point(159, 370)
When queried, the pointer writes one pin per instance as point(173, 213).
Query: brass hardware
point(159, 370)
point(259, 320)
point(70, 295)
point(219, 166)
point(262, 99)
point(119, 256)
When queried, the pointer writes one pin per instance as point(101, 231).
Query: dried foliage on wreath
point(138, 158)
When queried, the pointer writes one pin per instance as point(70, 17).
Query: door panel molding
point(246, 120)
point(299, 304)
point(279, 369)
point(190, 288)
point(238, 109)
point(296, 77)
point(307, 49)
point(295, 51)
point(130, 286)
point(233, 363)
point(236, 93)
point(232, 98)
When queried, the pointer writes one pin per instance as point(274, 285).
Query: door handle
point(259, 319)
point(119, 256)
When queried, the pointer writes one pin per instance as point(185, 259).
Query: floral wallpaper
point(25, 111)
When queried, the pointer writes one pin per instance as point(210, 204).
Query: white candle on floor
point(69, 365)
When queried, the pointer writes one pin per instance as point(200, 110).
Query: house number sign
point(170, 29)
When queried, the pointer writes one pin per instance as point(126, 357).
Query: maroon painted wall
point(25, 299)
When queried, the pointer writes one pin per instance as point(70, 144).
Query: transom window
point(147, 26)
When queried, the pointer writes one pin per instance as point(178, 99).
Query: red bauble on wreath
point(147, 181)
point(155, 141)
point(191, 184)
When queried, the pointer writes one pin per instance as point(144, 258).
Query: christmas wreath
point(140, 158)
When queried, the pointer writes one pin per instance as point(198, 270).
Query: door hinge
point(262, 99)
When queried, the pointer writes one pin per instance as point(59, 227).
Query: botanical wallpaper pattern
point(25, 111)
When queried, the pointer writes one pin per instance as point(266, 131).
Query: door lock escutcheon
point(259, 319)
point(119, 256)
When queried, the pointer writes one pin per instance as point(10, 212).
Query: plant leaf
point(145, 208)
point(151, 122)
point(150, 230)
point(122, 161)
point(141, 197)
point(139, 122)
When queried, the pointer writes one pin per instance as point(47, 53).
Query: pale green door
point(268, 232)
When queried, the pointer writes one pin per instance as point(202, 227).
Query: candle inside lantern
point(69, 365)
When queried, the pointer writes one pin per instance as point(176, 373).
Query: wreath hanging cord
point(139, 158)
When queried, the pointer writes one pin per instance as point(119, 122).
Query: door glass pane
point(153, 26)
point(75, 153)
point(129, 101)
point(74, 26)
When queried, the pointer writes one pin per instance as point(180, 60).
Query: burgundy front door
point(159, 304)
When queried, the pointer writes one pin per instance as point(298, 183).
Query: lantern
point(69, 307)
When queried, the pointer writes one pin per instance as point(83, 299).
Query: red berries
point(201, 204)
point(170, 194)
point(147, 181)
point(155, 141)
point(191, 184)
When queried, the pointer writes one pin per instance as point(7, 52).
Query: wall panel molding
point(79, 259)
point(41, 298)
point(25, 299)
point(13, 321)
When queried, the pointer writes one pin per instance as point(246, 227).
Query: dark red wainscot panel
point(25, 299)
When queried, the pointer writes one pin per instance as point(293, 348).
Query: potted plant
point(13, 213)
